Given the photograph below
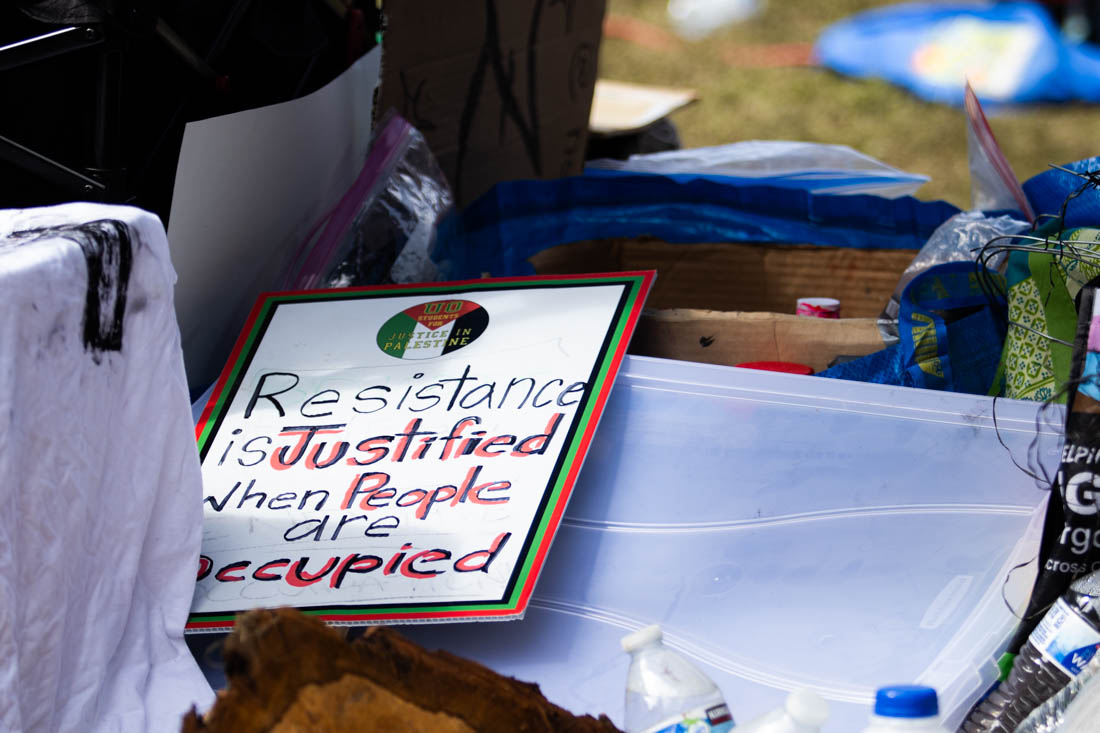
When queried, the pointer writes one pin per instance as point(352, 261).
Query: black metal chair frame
point(104, 179)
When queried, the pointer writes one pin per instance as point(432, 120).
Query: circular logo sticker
point(432, 329)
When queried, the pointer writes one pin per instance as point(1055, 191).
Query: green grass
point(816, 105)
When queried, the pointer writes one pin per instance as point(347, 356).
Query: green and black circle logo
point(432, 329)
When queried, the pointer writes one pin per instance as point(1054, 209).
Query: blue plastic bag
point(1048, 190)
point(501, 230)
point(1010, 51)
point(952, 334)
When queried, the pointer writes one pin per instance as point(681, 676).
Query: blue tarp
point(515, 220)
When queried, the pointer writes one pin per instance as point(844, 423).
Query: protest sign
point(403, 453)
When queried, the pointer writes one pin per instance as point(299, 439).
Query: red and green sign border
point(636, 285)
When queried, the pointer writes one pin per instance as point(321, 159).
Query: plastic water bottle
point(1083, 712)
point(804, 711)
point(1049, 717)
point(1058, 649)
point(665, 693)
point(905, 709)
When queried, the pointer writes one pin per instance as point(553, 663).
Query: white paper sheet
point(249, 186)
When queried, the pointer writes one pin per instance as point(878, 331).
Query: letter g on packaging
point(1082, 500)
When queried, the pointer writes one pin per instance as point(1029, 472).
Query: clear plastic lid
point(831, 519)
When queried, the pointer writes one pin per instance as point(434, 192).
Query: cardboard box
point(731, 303)
point(501, 89)
point(734, 337)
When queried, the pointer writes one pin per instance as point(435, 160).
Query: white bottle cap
point(807, 707)
point(641, 637)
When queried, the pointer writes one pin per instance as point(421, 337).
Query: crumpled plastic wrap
point(383, 229)
point(100, 533)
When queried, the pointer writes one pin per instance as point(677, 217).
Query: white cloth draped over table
point(99, 476)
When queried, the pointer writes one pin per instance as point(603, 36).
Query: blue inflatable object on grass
point(1011, 52)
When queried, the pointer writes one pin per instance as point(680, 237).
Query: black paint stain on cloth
point(108, 254)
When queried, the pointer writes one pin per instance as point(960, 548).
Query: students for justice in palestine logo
point(432, 329)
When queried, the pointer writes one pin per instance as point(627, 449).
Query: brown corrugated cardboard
point(730, 303)
point(501, 89)
point(742, 277)
point(721, 337)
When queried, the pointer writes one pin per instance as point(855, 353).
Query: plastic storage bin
point(786, 532)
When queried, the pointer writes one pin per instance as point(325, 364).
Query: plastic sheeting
point(817, 167)
point(100, 533)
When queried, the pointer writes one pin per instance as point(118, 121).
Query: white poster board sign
point(403, 453)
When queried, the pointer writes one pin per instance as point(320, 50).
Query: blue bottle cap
point(906, 701)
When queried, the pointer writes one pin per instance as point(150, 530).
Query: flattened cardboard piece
point(620, 108)
point(403, 453)
point(500, 89)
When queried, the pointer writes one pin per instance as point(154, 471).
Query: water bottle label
point(1065, 638)
point(715, 719)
